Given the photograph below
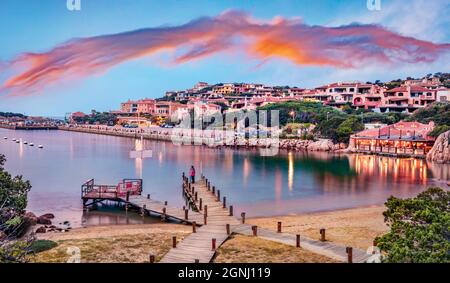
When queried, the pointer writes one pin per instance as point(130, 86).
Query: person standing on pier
point(192, 174)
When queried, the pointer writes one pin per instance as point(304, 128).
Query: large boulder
point(321, 145)
point(44, 221)
point(31, 217)
point(440, 153)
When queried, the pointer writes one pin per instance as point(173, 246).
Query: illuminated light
point(290, 171)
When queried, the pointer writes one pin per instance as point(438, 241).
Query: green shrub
point(42, 245)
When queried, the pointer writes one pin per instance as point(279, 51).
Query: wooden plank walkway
point(328, 249)
point(151, 206)
point(199, 246)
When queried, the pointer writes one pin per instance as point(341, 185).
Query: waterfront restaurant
point(408, 138)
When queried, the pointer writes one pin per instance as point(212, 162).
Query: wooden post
point(152, 258)
point(186, 214)
point(255, 230)
point(143, 210)
point(163, 216)
point(213, 244)
point(205, 210)
point(349, 251)
point(165, 203)
point(279, 227)
point(174, 241)
point(148, 196)
point(322, 234)
point(200, 205)
point(228, 229)
point(205, 222)
point(194, 226)
point(224, 202)
point(243, 217)
point(214, 190)
point(193, 190)
point(128, 195)
point(231, 210)
point(297, 241)
point(197, 260)
point(196, 196)
point(218, 195)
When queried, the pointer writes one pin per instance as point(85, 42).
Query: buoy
point(40, 146)
point(31, 144)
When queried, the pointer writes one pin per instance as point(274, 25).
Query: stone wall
point(440, 153)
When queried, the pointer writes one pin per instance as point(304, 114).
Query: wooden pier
point(129, 192)
point(212, 219)
point(218, 220)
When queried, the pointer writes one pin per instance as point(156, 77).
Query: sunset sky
point(54, 61)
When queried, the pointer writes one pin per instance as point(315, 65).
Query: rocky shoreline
point(290, 144)
point(440, 153)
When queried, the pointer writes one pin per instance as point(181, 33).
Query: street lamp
point(292, 113)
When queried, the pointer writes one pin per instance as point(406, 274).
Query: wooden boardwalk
point(199, 246)
point(328, 249)
point(150, 206)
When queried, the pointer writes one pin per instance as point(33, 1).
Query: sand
point(134, 243)
point(351, 227)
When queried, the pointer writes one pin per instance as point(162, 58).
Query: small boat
point(25, 142)
point(40, 146)
point(17, 141)
point(13, 140)
point(31, 144)
point(5, 138)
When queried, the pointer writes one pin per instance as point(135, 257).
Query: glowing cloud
point(347, 46)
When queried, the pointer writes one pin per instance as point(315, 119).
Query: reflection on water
point(291, 182)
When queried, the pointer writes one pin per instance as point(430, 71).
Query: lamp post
point(292, 113)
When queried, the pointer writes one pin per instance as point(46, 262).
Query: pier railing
point(97, 191)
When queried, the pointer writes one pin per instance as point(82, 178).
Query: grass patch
point(247, 249)
point(42, 245)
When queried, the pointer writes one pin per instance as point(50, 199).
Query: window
point(400, 94)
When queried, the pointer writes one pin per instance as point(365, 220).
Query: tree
point(419, 228)
point(13, 224)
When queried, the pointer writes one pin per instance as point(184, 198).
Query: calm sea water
point(289, 183)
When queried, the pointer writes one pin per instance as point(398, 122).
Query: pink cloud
point(347, 46)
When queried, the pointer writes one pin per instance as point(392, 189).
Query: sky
point(54, 61)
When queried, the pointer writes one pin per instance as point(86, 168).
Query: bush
point(420, 228)
point(42, 245)
point(439, 130)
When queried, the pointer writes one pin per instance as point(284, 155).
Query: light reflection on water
point(294, 182)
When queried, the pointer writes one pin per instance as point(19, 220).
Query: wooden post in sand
point(213, 244)
point(152, 258)
point(224, 202)
point(279, 227)
point(349, 251)
point(255, 230)
point(174, 241)
point(297, 240)
point(243, 217)
point(231, 210)
point(194, 227)
point(228, 229)
point(322, 234)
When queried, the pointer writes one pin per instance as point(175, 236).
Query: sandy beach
point(134, 243)
point(355, 227)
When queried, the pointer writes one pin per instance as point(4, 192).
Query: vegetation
point(420, 228)
point(103, 118)
point(439, 130)
point(11, 114)
point(439, 113)
point(42, 245)
point(331, 123)
point(13, 223)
